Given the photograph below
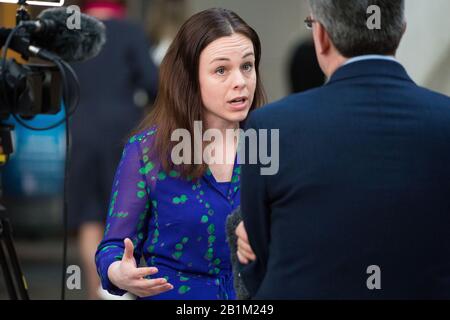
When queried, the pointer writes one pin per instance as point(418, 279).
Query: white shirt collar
point(370, 57)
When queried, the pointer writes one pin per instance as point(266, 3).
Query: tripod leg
point(5, 267)
point(17, 270)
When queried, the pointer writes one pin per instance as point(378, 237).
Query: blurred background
point(33, 179)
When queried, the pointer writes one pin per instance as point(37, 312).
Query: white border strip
point(38, 3)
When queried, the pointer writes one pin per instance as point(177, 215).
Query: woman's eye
point(247, 66)
point(220, 71)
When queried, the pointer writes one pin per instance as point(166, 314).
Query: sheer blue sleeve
point(128, 213)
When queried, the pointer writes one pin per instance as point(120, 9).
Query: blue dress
point(177, 224)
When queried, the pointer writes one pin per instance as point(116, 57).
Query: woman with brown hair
point(173, 213)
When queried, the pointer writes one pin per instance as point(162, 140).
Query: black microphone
point(41, 26)
point(51, 32)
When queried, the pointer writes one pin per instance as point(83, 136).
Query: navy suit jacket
point(363, 180)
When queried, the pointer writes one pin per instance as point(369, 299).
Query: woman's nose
point(239, 80)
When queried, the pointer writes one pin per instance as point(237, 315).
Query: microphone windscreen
point(73, 45)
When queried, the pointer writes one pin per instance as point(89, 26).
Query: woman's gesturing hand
point(127, 276)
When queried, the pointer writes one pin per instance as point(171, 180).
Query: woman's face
point(227, 78)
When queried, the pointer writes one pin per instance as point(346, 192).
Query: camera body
point(29, 90)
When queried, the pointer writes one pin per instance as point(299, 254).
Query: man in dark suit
point(360, 206)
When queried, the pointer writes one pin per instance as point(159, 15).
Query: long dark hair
point(179, 101)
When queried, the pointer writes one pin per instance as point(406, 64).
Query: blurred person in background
point(303, 68)
point(165, 18)
point(106, 114)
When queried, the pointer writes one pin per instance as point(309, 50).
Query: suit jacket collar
point(373, 67)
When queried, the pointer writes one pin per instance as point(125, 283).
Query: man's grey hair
point(346, 23)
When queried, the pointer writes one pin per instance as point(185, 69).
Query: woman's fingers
point(151, 287)
point(144, 272)
point(241, 233)
point(245, 249)
point(129, 248)
point(242, 259)
point(161, 289)
point(154, 291)
point(147, 284)
point(150, 283)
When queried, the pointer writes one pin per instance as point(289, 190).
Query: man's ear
point(322, 39)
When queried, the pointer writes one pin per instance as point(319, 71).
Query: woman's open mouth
point(239, 103)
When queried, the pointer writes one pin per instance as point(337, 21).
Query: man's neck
point(334, 64)
point(341, 61)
